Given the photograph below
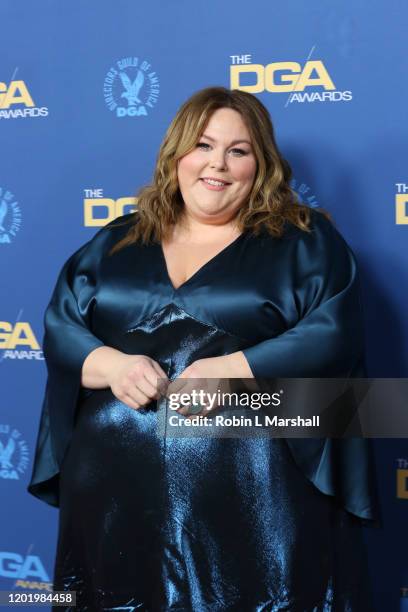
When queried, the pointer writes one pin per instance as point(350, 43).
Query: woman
point(221, 273)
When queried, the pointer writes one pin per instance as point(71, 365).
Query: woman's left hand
point(234, 365)
point(213, 374)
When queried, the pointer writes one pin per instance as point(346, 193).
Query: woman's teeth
point(216, 183)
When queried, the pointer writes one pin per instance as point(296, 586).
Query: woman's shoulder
point(119, 225)
point(326, 236)
point(322, 245)
point(111, 233)
point(97, 247)
point(319, 224)
point(321, 234)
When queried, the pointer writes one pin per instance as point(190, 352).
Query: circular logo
point(14, 455)
point(304, 193)
point(131, 87)
point(10, 216)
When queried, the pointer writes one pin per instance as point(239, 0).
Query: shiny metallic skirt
point(156, 523)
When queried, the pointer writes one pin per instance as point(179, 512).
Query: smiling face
point(216, 177)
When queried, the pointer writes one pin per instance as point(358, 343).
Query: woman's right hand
point(133, 379)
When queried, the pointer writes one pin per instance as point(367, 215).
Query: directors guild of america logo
point(14, 456)
point(131, 88)
point(10, 216)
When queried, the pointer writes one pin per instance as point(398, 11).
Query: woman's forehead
point(226, 123)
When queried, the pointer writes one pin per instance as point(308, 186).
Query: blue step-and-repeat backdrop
point(75, 146)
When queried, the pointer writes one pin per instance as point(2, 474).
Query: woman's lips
point(213, 187)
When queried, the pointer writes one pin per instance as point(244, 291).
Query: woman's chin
point(213, 211)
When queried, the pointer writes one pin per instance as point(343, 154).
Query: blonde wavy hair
point(271, 202)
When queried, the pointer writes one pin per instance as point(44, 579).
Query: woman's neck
point(189, 228)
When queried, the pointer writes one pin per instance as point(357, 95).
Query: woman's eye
point(238, 152)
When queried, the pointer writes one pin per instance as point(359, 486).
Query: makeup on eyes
point(235, 149)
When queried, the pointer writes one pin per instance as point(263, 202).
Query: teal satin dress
point(157, 523)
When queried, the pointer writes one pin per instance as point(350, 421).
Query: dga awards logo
point(14, 455)
point(304, 81)
point(99, 211)
point(16, 101)
point(10, 216)
point(401, 204)
point(402, 478)
point(304, 193)
point(131, 87)
point(18, 341)
point(26, 571)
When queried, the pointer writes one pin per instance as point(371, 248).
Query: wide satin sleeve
point(68, 340)
point(326, 341)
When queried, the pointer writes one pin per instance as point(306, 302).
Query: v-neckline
point(200, 269)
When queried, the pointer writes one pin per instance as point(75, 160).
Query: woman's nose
point(217, 160)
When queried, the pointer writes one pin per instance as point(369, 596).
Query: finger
point(137, 393)
point(185, 410)
point(175, 386)
point(192, 410)
point(185, 390)
point(188, 386)
point(161, 373)
point(158, 379)
point(194, 413)
point(183, 381)
point(173, 390)
point(128, 401)
point(205, 410)
point(148, 384)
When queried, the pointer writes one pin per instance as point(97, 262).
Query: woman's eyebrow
point(232, 143)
